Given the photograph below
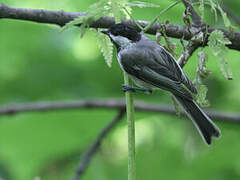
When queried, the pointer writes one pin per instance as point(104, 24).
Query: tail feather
point(202, 122)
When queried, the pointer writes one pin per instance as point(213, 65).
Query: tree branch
point(187, 53)
point(192, 45)
point(61, 18)
point(108, 104)
point(96, 145)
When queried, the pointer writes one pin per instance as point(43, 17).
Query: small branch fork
point(86, 159)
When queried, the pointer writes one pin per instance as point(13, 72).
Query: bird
point(150, 66)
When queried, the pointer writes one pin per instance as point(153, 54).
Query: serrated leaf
point(202, 94)
point(202, 73)
point(95, 11)
point(226, 21)
point(116, 10)
point(78, 20)
point(105, 46)
point(202, 70)
point(217, 43)
point(141, 4)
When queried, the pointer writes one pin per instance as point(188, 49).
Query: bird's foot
point(126, 88)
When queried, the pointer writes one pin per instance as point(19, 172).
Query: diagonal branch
point(108, 104)
point(96, 145)
point(187, 53)
point(60, 18)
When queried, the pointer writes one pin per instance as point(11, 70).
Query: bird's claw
point(126, 88)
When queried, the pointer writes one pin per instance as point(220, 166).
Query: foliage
point(226, 20)
point(117, 8)
point(43, 144)
point(201, 8)
point(214, 7)
point(106, 47)
point(95, 11)
point(217, 43)
point(202, 73)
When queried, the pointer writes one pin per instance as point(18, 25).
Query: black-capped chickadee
point(150, 66)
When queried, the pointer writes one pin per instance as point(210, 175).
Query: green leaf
point(127, 12)
point(202, 70)
point(201, 8)
point(78, 20)
point(202, 94)
point(217, 43)
point(95, 11)
point(106, 47)
point(116, 10)
point(226, 20)
point(202, 73)
point(141, 4)
point(213, 8)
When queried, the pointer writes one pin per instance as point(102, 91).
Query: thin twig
point(96, 145)
point(197, 21)
point(108, 104)
point(61, 18)
point(159, 15)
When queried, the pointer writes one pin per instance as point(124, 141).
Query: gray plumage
point(150, 66)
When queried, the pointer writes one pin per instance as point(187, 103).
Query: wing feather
point(140, 60)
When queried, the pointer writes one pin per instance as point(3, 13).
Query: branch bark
point(188, 51)
point(60, 18)
point(86, 159)
point(109, 104)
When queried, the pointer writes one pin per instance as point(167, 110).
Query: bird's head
point(122, 35)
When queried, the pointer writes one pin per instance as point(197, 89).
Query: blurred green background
point(38, 63)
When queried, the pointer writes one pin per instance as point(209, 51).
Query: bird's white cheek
point(121, 41)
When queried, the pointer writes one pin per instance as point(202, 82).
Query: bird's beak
point(105, 32)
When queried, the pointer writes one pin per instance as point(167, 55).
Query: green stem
point(159, 15)
point(137, 24)
point(131, 131)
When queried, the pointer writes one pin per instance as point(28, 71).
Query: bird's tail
point(203, 123)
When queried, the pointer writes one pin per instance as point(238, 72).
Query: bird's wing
point(144, 66)
point(159, 61)
point(166, 59)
